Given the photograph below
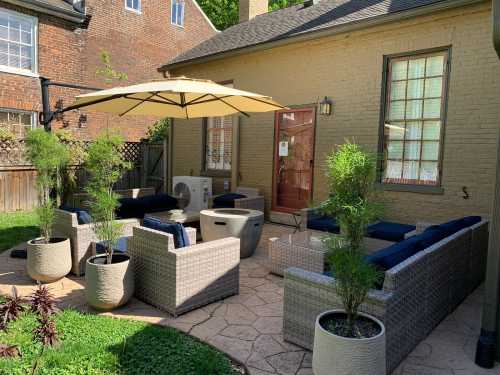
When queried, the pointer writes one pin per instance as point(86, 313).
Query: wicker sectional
point(179, 280)
point(417, 294)
point(82, 236)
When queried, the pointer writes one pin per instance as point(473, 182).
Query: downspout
point(488, 345)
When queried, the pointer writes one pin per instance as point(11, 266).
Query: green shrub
point(105, 165)
point(6, 135)
point(49, 157)
point(158, 131)
point(351, 175)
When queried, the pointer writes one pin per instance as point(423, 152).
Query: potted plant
point(109, 277)
point(345, 340)
point(48, 258)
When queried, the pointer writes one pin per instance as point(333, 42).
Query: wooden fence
point(17, 176)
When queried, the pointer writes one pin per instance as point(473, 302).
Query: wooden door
point(293, 159)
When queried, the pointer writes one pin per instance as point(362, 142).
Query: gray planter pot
point(337, 355)
point(108, 286)
point(48, 262)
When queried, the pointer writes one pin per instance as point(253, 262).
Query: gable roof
point(300, 20)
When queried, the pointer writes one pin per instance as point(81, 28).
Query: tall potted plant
point(348, 341)
point(109, 277)
point(48, 258)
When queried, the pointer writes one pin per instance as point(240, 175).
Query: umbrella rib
point(183, 104)
point(230, 105)
point(137, 104)
point(170, 101)
point(97, 101)
point(196, 100)
point(263, 101)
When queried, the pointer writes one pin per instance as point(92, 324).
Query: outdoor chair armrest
point(254, 203)
point(191, 232)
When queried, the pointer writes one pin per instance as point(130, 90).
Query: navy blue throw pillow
point(181, 238)
point(130, 208)
point(120, 246)
point(158, 202)
point(324, 224)
point(227, 200)
point(82, 216)
point(391, 256)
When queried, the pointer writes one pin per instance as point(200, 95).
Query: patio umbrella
point(178, 97)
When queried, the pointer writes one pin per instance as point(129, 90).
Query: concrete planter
point(108, 286)
point(337, 355)
point(48, 262)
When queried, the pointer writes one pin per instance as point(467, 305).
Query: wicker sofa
point(79, 200)
point(416, 295)
point(179, 280)
point(253, 200)
point(82, 236)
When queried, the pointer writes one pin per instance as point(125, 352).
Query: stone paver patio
point(248, 327)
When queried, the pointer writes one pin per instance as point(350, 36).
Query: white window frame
point(33, 72)
point(176, 3)
point(138, 11)
point(34, 115)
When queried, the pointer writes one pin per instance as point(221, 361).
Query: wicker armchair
point(81, 237)
point(417, 293)
point(179, 280)
point(79, 200)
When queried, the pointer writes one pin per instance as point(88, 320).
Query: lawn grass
point(99, 345)
point(17, 227)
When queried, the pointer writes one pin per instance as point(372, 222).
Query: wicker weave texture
point(82, 236)
point(417, 294)
point(179, 280)
point(283, 255)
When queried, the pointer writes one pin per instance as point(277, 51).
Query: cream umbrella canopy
point(178, 97)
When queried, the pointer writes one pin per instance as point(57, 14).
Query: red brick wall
point(138, 45)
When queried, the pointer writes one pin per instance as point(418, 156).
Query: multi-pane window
point(17, 122)
point(219, 143)
point(134, 5)
point(178, 12)
point(17, 42)
point(414, 117)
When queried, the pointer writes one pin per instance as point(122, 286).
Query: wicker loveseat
point(416, 295)
point(79, 200)
point(179, 280)
point(82, 236)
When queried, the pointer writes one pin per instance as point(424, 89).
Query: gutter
point(333, 30)
point(496, 25)
point(42, 7)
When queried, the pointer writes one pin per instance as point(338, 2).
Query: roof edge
point(333, 30)
point(39, 6)
point(205, 15)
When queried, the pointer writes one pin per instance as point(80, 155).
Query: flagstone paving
point(248, 326)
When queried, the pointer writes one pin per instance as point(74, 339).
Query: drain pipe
point(488, 345)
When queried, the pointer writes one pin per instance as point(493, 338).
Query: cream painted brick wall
point(348, 68)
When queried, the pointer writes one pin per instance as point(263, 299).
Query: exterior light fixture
point(325, 107)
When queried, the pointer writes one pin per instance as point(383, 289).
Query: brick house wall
point(348, 68)
point(70, 53)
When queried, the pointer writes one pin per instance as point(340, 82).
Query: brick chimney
point(252, 8)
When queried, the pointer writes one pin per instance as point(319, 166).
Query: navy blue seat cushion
point(181, 238)
point(130, 208)
point(158, 202)
point(120, 246)
point(227, 200)
point(389, 231)
point(456, 225)
point(323, 223)
point(391, 256)
point(82, 216)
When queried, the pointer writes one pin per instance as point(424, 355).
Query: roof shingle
point(294, 21)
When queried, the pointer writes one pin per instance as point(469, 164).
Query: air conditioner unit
point(193, 193)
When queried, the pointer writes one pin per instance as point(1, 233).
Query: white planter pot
point(48, 262)
point(337, 355)
point(108, 286)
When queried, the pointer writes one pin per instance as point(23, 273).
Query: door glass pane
point(399, 70)
point(410, 170)
point(393, 169)
point(432, 108)
point(429, 171)
point(416, 68)
point(397, 111)
point(395, 150)
point(398, 90)
point(435, 66)
point(413, 130)
point(416, 89)
point(413, 109)
point(430, 150)
point(395, 130)
point(433, 87)
point(432, 130)
point(412, 150)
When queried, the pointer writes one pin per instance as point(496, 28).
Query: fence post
point(144, 164)
point(165, 166)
